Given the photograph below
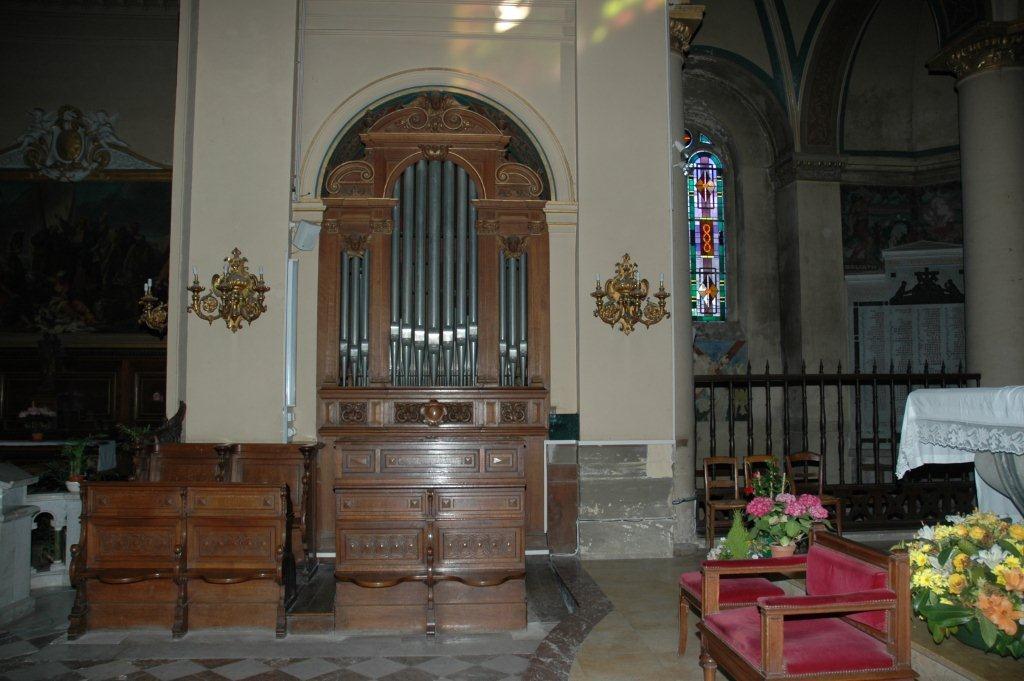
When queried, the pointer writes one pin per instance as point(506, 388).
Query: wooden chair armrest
point(861, 601)
point(754, 566)
point(774, 609)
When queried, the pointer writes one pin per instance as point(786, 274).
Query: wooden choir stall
point(433, 372)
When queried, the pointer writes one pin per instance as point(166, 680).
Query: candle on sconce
point(661, 280)
point(195, 272)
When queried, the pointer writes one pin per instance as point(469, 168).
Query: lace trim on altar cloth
point(968, 438)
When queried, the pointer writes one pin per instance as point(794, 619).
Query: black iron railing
point(852, 420)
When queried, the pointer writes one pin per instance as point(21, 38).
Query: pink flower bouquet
point(780, 517)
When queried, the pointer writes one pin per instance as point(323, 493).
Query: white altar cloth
point(951, 425)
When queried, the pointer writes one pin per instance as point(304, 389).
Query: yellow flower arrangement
point(967, 581)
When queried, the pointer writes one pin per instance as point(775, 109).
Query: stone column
point(988, 63)
point(684, 20)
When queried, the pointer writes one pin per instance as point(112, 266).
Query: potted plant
point(967, 581)
point(74, 454)
point(780, 519)
point(37, 420)
point(739, 543)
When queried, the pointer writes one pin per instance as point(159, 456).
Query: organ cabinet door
point(433, 306)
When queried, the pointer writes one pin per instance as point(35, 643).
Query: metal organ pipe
point(408, 218)
point(522, 319)
point(434, 260)
point(396, 277)
point(461, 333)
point(433, 280)
point(472, 285)
point(343, 345)
point(419, 333)
point(448, 302)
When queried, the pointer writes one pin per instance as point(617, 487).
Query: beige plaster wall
point(120, 61)
point(626, 382)
point(241, 155)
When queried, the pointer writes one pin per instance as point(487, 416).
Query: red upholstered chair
point(853, 624)
point(733, 592)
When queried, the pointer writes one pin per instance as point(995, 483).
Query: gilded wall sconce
point(235, 295)
point(154, 311)
point(623, 299)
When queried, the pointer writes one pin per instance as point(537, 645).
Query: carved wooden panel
point(347, 413)
point(130, 543)
point(281, 473)
point(218, 544)
point(420, 413)
point(484, 545)
point(188, 472)
point(384, 548)
point(359, 504)
point(472, 503)
point(209, 500)
point(502, 460)
point(358, 461)
point(157, 500)
point(426, 462)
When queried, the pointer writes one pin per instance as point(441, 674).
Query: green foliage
point(737, 541)
point(74, 453)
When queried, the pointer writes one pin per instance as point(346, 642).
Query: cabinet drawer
point(461, 546)
point(120, 501)
point(358, 504)
point(473, 503)
point(501, 460)
point(357, 461)
point(379, 548)
point(444, 462)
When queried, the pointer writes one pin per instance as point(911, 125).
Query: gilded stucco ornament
point(683, 21)
point(623, 299)
point(989, 45)
point(235, 295)
point(68, 145)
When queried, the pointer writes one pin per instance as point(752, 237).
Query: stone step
point(613, 499)
point(613, 461)
point(648, 538)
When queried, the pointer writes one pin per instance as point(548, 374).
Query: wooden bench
point(260, 463)
point(182, 556)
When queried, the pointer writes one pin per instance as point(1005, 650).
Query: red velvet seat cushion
point(732, 589)
point(811, 645)
point(831, 572)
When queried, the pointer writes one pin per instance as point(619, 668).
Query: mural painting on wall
point(716, 357)
point(75, 254)
point(876, 218)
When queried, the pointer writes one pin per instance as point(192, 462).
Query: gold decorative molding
point(989, 45)
point(623, 299)
point(683, 22)
point(236, 295)
point(435, 152)
point(355, 244)
point(513, 245)
point(486, 226)
point(382, 226)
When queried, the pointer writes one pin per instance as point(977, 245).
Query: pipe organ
point(433, 371)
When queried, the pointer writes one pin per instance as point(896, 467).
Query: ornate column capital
point(989, 45)
point(683, 21)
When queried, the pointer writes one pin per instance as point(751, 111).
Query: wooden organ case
point(433, 369)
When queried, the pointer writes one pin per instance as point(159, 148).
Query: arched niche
point(319, 152)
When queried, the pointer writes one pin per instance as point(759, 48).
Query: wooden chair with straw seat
point(721, 493)
point(806, 474)
point(756, 464)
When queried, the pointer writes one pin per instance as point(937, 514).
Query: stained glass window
point(706, 191)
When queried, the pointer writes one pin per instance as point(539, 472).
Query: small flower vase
point(73, 486)
point(780, 551)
